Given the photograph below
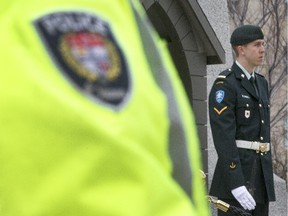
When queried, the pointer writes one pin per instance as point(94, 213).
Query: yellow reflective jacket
point(85, 123)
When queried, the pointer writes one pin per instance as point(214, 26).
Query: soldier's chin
point(261, 62)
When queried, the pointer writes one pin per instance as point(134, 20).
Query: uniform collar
point(247, 74)
point(240, 74)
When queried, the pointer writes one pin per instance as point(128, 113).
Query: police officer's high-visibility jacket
point(94, 120)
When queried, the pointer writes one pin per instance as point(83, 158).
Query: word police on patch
point(84, 48)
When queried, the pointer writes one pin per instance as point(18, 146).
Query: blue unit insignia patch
point(220, 96)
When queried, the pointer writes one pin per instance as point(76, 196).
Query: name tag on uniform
point(245, 96)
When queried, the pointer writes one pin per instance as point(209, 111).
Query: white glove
point(245, 199)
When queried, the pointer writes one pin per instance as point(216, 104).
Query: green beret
point(246, 34)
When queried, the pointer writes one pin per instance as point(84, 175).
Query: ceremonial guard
point(239, 116)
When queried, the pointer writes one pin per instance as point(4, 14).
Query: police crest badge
point(85, 50)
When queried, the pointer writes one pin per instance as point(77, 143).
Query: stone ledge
point(279, 208)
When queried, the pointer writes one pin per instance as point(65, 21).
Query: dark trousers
point(260, 209)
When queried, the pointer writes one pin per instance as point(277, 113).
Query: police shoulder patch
point(85, 50)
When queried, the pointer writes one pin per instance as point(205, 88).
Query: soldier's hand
point(245, 199)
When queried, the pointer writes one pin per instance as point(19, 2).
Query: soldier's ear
point(240, 49)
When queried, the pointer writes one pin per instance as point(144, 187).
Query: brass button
point(260, 105)
point(262, 121)
point(261, 138)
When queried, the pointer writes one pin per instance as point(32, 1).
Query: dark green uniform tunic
point(237, 113)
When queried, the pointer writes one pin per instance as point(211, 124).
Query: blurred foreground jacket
point(91, 122)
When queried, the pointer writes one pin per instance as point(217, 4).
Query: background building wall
point(217, 14)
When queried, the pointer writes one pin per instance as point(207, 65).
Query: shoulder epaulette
point(224, 74)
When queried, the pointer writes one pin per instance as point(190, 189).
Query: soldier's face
point(254, 52)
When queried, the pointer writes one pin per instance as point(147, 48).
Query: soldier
point(239, 117)
point(94, 120)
